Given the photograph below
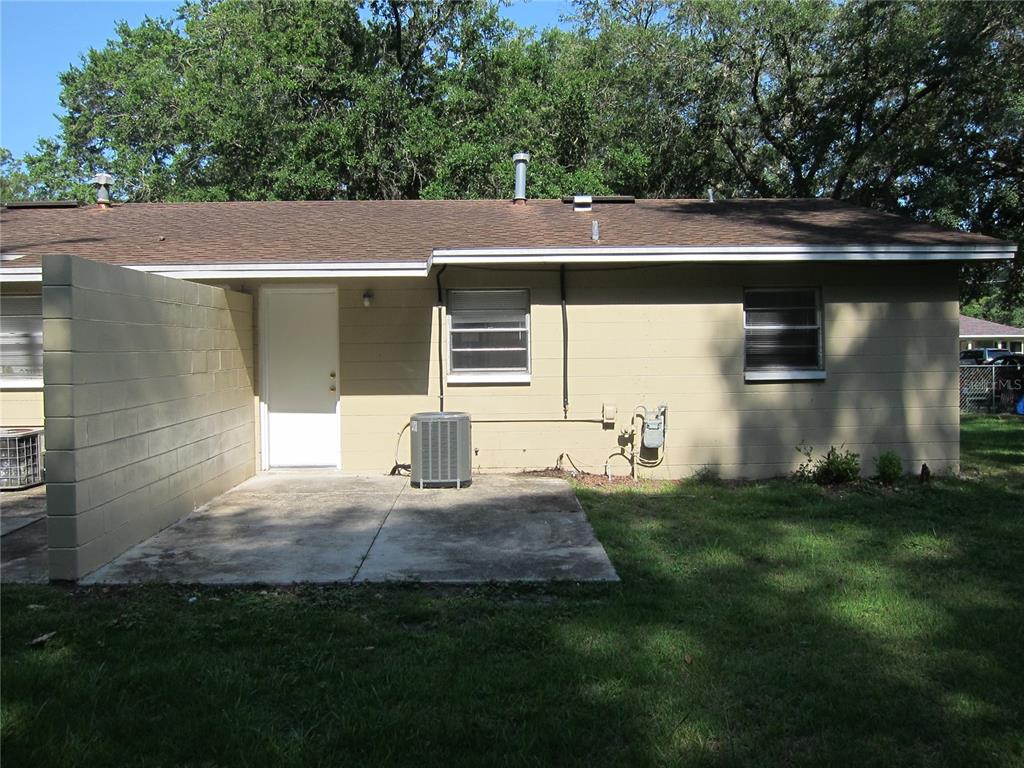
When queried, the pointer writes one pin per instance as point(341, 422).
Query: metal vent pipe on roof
point(521, 159)
point(102, 182)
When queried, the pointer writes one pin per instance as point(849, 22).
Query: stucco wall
point(148, 400)
point(670, 335)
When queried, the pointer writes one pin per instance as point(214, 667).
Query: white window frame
point(23, 383)
point(784, 373)
point(491, 375)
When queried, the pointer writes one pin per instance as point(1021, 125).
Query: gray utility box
point(442, 450)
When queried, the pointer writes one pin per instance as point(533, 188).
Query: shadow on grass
point(767, 624)
point(876, 628)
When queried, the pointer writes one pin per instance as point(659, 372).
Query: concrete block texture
point(149, 402)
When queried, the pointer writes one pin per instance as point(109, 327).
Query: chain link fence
point(992, 388)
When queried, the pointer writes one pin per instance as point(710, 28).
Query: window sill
point(784, 375)
point(498, 377)
point(21, 383)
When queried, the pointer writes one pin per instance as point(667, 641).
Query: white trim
point(21, 274)
point(791, 374)
point(564, 255)
point(21, 383)
point(992, 336)
point(264, 361)
point(696, 253)
point(493, 377)
point(248, 271)
point(308, 269)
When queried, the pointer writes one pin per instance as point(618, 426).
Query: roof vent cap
point(102, 182)
point(582, 203)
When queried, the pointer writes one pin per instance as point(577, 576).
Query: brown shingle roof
point(972, 326)
point(407, 230)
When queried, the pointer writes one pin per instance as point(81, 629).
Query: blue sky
point(39, 39)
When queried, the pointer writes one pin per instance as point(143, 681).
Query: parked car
point(1011, 361)
point(983, 356)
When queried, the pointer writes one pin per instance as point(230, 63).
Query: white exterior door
point(299, 331)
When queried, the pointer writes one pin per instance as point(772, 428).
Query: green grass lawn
point(771, 624)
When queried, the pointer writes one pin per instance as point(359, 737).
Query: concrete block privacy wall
point(148, 404)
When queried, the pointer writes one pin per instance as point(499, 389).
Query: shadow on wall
point(386, 348)
point(244, 326)
point(889, 373)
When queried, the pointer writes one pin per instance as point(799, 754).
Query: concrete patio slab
point(325, 527)
point(501, 528)
point(23, 558)
point(21, 508)
point(271, 529)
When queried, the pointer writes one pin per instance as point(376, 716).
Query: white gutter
point(20, 274)
point(725, 254)
point(994, 335)
point(576, 255)
point(309, 269)
point(248, 271)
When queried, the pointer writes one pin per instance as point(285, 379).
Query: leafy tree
point(14, 180)
point(912, 107)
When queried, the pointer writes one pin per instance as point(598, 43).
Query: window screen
point(21, 338)
point(782, 329)
point(489, 331)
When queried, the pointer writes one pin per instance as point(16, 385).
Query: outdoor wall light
point(367, 298)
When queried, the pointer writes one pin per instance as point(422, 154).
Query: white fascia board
point(287, 270)
point(21, 384)
point(992, 335)
point(20, 274)
point(576, 255)
point(249, 271)
point(755, 253)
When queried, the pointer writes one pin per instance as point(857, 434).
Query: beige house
point(185, 347)
point(984, 334)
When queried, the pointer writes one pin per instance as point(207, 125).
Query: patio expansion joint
point(380, 527)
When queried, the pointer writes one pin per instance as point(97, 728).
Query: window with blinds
point(782, 330)
point(489, 332)
point(21, 340)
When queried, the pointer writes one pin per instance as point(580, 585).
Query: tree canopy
point(913, 107)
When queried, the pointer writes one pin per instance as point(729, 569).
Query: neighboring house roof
point(413, 232)
point(973, 328)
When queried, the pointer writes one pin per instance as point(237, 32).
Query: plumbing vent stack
point(595, 230)
point(521, 159)
point(711, 194)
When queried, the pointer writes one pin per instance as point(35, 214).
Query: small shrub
point(805, 472)
point(835, 467)
point(707, 475)
point(889, 467)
